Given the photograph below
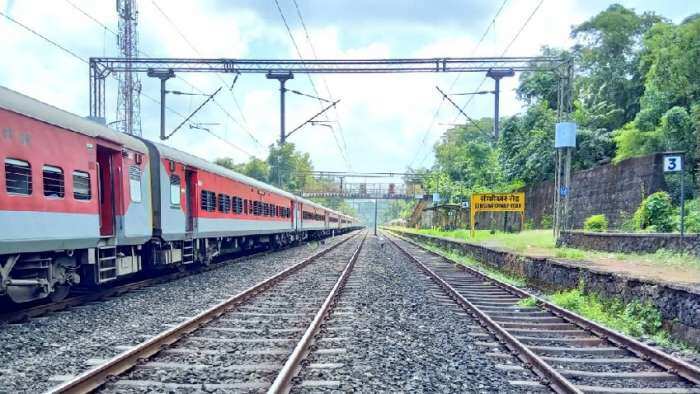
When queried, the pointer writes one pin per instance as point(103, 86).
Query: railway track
point(20, 313)
point(569, 354)
point(253, 341)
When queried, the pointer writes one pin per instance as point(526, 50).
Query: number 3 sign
point(673, 164)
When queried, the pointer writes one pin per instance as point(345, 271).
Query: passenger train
point(83, 204)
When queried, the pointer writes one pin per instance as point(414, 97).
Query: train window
point(174, 190)
point(237, 204)
point(18, 176)
point(224, 203)
point(257, 208)
point(135, 183)
point(208, 202)
point(53, 181)
point(81, 185)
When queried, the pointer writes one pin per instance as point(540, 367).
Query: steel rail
point(284, 380)
point(549, 375)
point(98, 376)
point(20, 314)
point(666, 361)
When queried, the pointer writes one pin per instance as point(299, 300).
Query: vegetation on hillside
point(636, 91)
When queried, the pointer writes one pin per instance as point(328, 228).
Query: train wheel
point(60, 292)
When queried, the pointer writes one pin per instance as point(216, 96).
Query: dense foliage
point(596, 223)
point(636, 92)
point(655, 213)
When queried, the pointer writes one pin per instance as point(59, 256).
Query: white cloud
point(384, 117)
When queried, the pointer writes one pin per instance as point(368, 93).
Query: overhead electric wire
point(313, 85)
point(323, 79)
point(74, 55)
point(50, 41)
point(515, 37)
point(436, 114)
point(90, 17)
point(107, 28)
point(308, 95)
point(243, 125)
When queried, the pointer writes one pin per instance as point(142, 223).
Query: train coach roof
point(13, 101)
point(189, 159)
point(169, 152)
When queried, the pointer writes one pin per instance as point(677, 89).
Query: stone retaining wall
point(679, 305)
point(630, 242)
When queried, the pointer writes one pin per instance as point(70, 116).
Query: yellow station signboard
point(497, 202)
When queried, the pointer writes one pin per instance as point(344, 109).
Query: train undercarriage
point(51, 275)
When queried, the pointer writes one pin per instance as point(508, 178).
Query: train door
point(106, 189)
point(298, 216)
point(291, 215)
point(190, 193)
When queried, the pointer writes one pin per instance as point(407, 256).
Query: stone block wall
point(630, 243)
point(614, 190)
point(607, 189)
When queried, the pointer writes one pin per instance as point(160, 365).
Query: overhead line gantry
point(102, 67)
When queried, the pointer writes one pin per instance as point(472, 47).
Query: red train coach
point(72, 191)
point(81, 203)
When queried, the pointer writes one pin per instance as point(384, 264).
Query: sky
point(383, 123)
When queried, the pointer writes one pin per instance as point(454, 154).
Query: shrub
point(597, 223)
point(655, 213)
point(546, 221)
point(692, 216)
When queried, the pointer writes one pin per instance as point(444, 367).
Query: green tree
point(538, 86)
point(289, 168)
point(610, 81)
point(254, 168)
point(466, 154)
point(526, 149)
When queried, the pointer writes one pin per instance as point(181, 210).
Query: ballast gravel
point(36, 355)
point(397, 338)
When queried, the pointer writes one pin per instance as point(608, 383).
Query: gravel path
point(396, 334)
point(34, 355)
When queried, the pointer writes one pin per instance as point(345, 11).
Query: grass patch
point(527, 302)
point(570, 253)
point(637, 319)
point(519, 242)
point(541, 242)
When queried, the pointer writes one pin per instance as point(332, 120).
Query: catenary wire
point(243, 124)
point(325, 82)
point(436, 114)
point(313, 85)
point(515, 37)
point(80, 58)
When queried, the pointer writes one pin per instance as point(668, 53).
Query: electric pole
point(282, 77)
point(497, 74)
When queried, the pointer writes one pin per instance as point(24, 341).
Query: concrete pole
point(283, 136)
point(497, 90)
point(162, 108)
point(375, 216)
